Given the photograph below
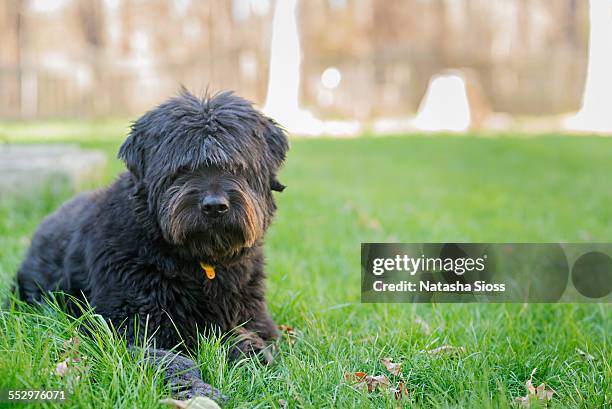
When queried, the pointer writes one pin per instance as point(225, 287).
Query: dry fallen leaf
point(69, 370)
point(199, 402)
point(61, 369)
point(400, 392)
point(372, 382)
point(355, 376)
point(585, 355)
point(539, 394)
point(72, 343)
point(70, 365)
point(286, 329)
point(446, 349)
point(377, 381)
point(289, 332)
point(393, 368)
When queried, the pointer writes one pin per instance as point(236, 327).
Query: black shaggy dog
point(178, 240)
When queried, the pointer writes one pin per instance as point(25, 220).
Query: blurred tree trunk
point(16, 23)
point(441, 37)
point(91, 22)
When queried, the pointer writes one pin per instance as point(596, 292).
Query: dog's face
point(207, 169)
point(215, 212)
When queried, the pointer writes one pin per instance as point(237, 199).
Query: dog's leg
point(247, 343)
point(262, 324)
point(255, 337)
point(183, 375)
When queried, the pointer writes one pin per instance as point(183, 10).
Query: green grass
point(341, 193)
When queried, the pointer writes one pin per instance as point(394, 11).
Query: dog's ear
point(132, 153)
point(277, 142)
point(276, 185)
point(276, 138)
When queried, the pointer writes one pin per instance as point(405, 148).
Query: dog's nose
point(214, 205)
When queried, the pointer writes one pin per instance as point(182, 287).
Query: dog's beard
point(211, 239)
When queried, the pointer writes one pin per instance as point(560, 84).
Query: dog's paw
point(183, 377)
point(250, 344)
point(190, 388)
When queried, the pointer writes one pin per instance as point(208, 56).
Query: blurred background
point(320, 66)
point(517, 92)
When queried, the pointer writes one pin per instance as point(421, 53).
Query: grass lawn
point(341, 193)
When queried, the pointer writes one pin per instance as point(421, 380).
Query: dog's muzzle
point(214, 205)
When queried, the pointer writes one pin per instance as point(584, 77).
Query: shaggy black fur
point(133, 250)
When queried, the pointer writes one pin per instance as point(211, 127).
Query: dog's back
point(42, 270)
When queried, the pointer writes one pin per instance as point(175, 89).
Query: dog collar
point(208, 269)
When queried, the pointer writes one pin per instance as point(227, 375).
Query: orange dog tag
point(208, 269)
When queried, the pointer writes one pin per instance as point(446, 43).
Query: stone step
point(25, 168)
